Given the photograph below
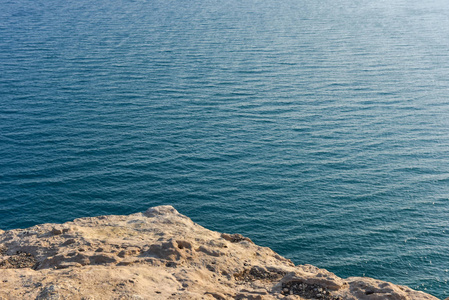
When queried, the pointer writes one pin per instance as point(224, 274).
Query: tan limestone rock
point(161, 254)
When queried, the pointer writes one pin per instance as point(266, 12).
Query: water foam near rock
point(162, 254)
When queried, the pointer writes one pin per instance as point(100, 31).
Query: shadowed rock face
point(161, 254)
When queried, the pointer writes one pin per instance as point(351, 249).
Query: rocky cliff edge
point(161, 254)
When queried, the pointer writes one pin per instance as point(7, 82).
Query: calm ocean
point(317, 128)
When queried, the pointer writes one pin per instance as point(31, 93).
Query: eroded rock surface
point(161, 254)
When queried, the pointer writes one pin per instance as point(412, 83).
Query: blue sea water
point(317, 128)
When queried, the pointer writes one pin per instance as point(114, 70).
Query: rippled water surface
point(317, 128)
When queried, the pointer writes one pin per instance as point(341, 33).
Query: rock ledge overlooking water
point(161, 254)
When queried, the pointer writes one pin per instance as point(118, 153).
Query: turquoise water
point(317, 128)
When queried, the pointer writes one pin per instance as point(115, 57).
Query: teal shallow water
point(320, 130)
